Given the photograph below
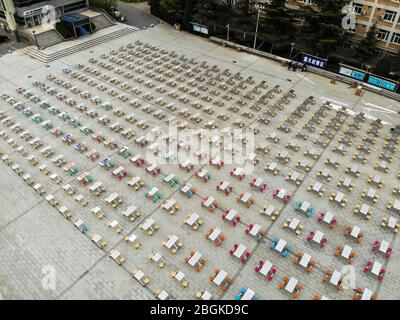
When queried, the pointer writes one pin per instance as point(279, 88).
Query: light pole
point(227, 33)
point(34, 36)
point(258, 19)
point(291, 50)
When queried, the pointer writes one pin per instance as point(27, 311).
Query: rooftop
point(327, 159)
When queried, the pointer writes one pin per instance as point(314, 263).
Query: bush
point(103, 4)
point(63, 30)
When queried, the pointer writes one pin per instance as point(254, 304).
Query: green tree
point(366, 49)
point(242, 16)
point(175, 8)
point(277, 25)
point(388, 66)
point(210, 12)
point(322, 30)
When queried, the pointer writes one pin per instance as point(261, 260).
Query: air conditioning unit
point(363, 13)
point(381, 17)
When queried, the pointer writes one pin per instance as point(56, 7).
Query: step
point(46, 58)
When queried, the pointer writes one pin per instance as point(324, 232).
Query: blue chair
point(237, 297)
point(284, 253)
point(272, 246)
point(243, 290)
point(288, 248)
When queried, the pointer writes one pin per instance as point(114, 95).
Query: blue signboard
point(358, 75)
point(388, 85)
point(314, 61)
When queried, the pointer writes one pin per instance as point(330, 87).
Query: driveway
point(136, 16)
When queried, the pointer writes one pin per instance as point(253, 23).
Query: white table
point(364, 209)
point(305, 260)
point(384, 247)
point(280, 245)
point(318, 236)
point(266, 268)
point(238, 253)
point(328, 217)
point(224, 185)
point(95, 186)
point(209, 202)
point(152, 191)
point(220, 277)
point(231, 214)
point(392, 222)
point(396, 205)
point(215, 234)
point(169, 204)
point(129, 211)
point(206, 295)
point(192, 219)
point(335, 278)
point(305, 206)
point(202, 173)
point(147, 224)
point(248, 295)
point(255, 230)
point(282, 194)
point(179, 276)
point(194, 259)
point(355, 232)
point(246, 197)
point(317, 187)
point(339, 197)
point(163, 295)
point(171, 241)
point(367, 294)
point(156, 257)
point(269, 210)
point(112, 197)
point(376, 268)
point(346, 252)
point(117, 171)
point(139, 274)
point(291, 285)
point(294, 224)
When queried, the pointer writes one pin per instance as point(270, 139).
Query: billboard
point(314, 61)
point(382, 83)
point(199, 28)
point(369, 78)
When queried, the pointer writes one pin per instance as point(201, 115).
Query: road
point(136, 17)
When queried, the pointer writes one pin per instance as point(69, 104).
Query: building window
point(357, 8)
point(389, 15)
point(382, 35)
point(396, 38)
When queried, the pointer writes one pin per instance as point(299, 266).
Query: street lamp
point(291, 50)
point(227, 33)
point(34, 36)
point(258, 19)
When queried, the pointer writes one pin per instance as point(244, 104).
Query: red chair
point(269, 278)
point(231, 252)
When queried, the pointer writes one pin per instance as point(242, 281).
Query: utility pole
point(258, 19)
point(9, 12)
point(291, 50)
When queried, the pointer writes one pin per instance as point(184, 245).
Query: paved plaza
point(85, 213)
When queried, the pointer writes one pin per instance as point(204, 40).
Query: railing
point(111, 19)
